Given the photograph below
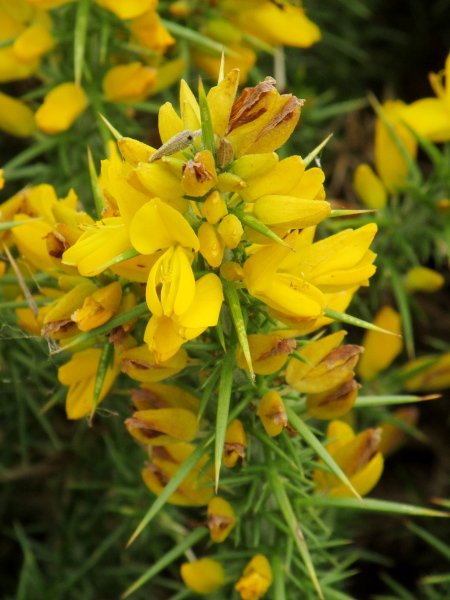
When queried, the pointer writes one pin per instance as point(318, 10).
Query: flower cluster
point(211, 238)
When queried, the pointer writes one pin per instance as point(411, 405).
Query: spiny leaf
point(371, 504)
point(312, 155)
point(363, 401)
point(194, 537)
point(437, 544)
point(133, 313)
point(112, 129)
point(232, 299)
point(290, 518)
point(197, 38)
point(223, 407)
point(206, 122)
point(131, 253)
point(208, 389)
point(10, 224)
point(344, 213)
point(320, 450)
point(81, 22)
point(96, 191)
point(338, 316)
point(403, 304)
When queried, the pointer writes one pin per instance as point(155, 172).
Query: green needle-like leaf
point(131, 253)
point(312, 155)
point(10, 224)
point(371, 504)
point(133, 313)
point(103, 364)
point(252, 222)
point(205, 116)
point(81, 23)
point(232, 299)
point(96, 191)
point(194, 537)
point(320, 450)
point(196, 38)
point(289, 516)
point(338, 316)
point(403, 304)
point(364, 401)
point(437, 544)
point(223, 407)
point(345, 213)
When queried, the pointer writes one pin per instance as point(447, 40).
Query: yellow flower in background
point(16, 118)
point(149, 31)
point(256, 578)
point(269, 353)
point(47, 4)
point(235, 443)
point(392, 436)
point(381, 349)
point(428, 373)
point(357, 455)
point(128, 9)
point(162, 426)
point(80, 374)
point(369, 187)
point(99, 307)
point(60, 108)
point(221, 519)
point(129, 83)
point(422, 279)
point(430, 117)
point(204, 576)
point(389, 162)
point(277, 24)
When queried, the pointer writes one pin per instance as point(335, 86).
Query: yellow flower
point(129, 83)
point(235, 443)
point(358, 456)
point(381, 349)
point(329, 365)
point(430, 373)
point(369, 187)
point(221, 519)
point(272, 413)
point(128, 9)
point(60, 108)
point(392, 436)
point(162, 426)
point(16, 118)
point(150, 32)
point(268, 353)
point(277, 24)
point(335, 402)
point(203, 576)
point(256, 578)
point(196, 489)
point(389, 161)
point(58, 321)
point(80, 374)
point(99, 307)
point(422, 279)
point(141, 364)
point(430, 117)
point(163, 395)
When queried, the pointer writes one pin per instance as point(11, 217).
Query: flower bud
point(232, 271)
point(221, 519)
point(272, 413)
point(199, 175)
point(256, 578)
point(231, 231)
point(204, 576)
point(16, 118)
point(211, 244)
point(235, 443)
point(214, 208)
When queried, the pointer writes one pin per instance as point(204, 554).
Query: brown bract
point(285, 114)
point(285, 346)
point(241, 112)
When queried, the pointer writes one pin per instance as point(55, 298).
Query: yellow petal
point(381, 349)
point(290, 211)
point(60, 108)
point(162, 426)
point(422, 279)
point(16, 118)
point(369, 187)
point(220, 100)
point(221, 519)
point(272, 413)
point(128, 83)
point(204, 576)
point(128, 9)
point(35, 41)
point(140, 364)
point(430, 117)
point(211, 244)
